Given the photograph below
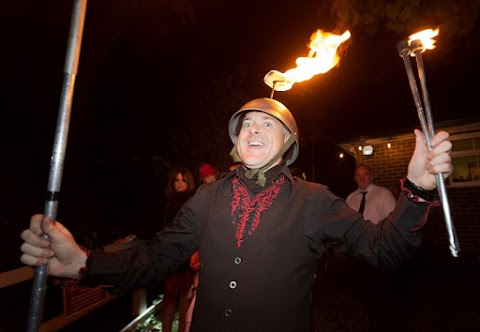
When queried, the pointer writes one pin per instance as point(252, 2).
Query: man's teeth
point(255, 144)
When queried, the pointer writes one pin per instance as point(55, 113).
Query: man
point(375, 203)
point(378, 201)
point(259, 231)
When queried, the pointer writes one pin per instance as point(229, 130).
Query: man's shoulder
point(384, 192)
point(311, 188)
point(212, 189)
point(379, 188)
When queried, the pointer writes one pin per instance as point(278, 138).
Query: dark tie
point(362, 203)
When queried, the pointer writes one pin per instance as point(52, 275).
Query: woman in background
point(180, 188)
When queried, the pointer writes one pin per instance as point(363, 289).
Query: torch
point(321, 58)
point(58, 154)
point(414, 47)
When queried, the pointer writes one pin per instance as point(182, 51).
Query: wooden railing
point(23, 274)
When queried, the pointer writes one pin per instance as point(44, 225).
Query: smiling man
point(260, 231)
point(262, 131)
point(260, 139)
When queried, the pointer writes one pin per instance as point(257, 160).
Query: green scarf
point(260, 172)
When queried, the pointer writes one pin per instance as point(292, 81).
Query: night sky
point(151, 71)
point(158, 81)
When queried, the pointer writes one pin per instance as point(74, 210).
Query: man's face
point(362, 177)
point(260, 139)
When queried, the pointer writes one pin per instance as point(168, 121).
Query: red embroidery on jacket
point(243, 206)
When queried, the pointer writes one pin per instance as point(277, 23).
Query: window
point(466, 160)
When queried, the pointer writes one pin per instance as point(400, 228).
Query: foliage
point(216, 102)
point(457, 17)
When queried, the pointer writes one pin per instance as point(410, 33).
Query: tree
point(456, 17)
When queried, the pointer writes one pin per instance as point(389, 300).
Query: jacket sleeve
point(146, 263)
point(388, 243)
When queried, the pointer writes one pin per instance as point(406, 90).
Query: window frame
point(465, 153)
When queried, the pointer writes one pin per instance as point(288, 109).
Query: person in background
point(207, 173)
point(177, 286)
point(259, 231)
point(378, 201)
point(227, 170)
point(234, 166)
point(195, 267)
point(299, 173)
point(375, 203)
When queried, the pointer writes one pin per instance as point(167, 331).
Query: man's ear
point(287, 136)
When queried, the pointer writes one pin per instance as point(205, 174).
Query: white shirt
point(379, 202)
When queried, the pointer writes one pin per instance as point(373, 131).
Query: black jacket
point(266, 283)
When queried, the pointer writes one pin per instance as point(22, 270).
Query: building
point(388, 156)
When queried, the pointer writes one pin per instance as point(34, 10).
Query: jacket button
point(228, 312)
point(238, 260)
point(232, 284)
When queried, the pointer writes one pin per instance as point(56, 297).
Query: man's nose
point(254, 129)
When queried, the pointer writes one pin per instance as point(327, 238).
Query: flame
point(321, 58)
point(426, 39)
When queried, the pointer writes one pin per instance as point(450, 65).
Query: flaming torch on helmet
point(321, 58)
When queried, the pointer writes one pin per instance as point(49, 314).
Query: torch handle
point(58, 155)
point(452, 235)
point(426, 122)
point(454, 246)
point(426, 101)
point(416, 97)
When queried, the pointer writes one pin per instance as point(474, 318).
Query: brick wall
point(390, 165)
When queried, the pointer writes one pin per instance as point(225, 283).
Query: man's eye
point(268, 124)
point(247, 125)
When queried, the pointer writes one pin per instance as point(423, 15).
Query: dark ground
point(430, 293)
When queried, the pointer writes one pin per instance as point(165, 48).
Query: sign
point(76, 299)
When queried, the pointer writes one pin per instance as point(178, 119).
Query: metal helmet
point(275, 109)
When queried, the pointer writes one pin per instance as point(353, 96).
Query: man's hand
point(64, 256)
point(425, 164)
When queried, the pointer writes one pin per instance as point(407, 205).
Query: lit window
point(465, 159)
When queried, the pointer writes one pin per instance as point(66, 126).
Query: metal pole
point(404, 52)
point(273, 90)
point(58, 153)
point(426, 122)
point(454, 246)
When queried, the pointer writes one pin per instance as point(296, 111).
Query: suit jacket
point(266, 283)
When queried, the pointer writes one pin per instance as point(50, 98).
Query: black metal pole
point(58, 153)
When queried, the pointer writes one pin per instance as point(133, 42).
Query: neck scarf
point(246, 211)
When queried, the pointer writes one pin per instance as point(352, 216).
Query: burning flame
point(426, 39)
point(321, 58)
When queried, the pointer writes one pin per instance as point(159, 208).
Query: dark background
point(158, 81)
